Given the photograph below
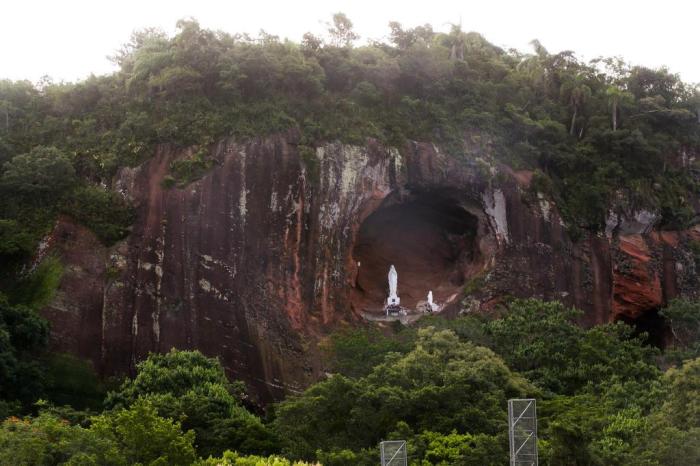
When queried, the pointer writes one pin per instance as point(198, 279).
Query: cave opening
point(654, 325)
point(429, 237)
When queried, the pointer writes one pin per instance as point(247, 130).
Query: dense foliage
point(123, 437)
point(683, 318)
point(22, 335)
point(28, 371)
point(36, 187)
point(442, 385)
point(602, 398)
point(543, 342)
point(188, 386)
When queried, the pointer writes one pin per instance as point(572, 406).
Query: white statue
point(432, 307)
point(393, 284)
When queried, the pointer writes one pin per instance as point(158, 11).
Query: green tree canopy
point(41, 173)
point(145, 438)
point(23, 334)
point(48, 440)
point(683, 318)
point(543, 342)
point(191, 387)
point(441, 385)
point(117, 438)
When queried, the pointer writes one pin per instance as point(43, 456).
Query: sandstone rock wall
point(254, 262)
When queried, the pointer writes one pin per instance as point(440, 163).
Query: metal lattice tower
point(394, 453)
point(522, 431)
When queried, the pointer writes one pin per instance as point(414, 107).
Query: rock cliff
point(278, 244)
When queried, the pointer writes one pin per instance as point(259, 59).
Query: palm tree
point(579, 92)
point(614, 93)
point(534, 67)
point(456, 41)
point(615, 97)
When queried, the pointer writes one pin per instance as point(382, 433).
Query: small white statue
point(393, 284)
point(432, 307)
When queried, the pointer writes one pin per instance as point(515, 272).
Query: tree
point(189, 386)
point(579, 93)
point(319, 419)
point(311, 43)
point(175, 373)
point(673, 437)
point(441, 385)
point(462, 449)
point(143, 437)
point(683, 318)
point(615, 97)
point(399, 37)
point(456, 41)
point(341, 31)
point(23, 334)
point(105, 212)
point(354, 353)
point(5, 106)
point(543, 342)
point(116, 438)
point(682, 407)
point(695, 101)
point(49, 440)
point(403, 39)
point(232, 458)
point(39, 175)
point(534, 67)
point(15, 241)
point(614, 94)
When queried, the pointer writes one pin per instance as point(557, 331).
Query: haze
point(71, 39)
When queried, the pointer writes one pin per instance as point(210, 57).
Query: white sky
point(70, 39)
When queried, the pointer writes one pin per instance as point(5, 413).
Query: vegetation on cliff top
point(599, 135)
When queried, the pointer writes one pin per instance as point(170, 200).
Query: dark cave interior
point(653, 324)
point(430, 239)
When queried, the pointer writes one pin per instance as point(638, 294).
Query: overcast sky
point(70, 39)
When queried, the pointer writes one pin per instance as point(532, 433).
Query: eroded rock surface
point(275, 247)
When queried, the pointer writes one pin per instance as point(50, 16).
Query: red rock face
point(636, 282)
point(257, 260)
point(76, 310)
point(247, 264)
point(649, 270)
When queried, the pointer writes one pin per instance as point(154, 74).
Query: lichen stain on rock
point(243, 196)
point(495, 207)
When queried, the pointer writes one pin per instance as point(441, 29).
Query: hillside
point(243, 198)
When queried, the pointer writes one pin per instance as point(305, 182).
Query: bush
point(104, 212)
point(189, 386)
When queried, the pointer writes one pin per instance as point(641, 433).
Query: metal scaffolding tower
point(522, 431)
point(394, 453)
